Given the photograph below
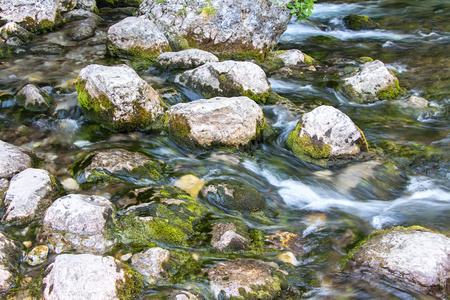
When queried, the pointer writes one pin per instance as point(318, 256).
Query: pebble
point(38, 255)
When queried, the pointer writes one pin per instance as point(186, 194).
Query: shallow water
point(322, 204)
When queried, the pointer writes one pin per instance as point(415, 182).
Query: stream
point(326, 206)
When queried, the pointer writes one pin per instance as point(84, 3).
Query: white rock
point(33, 15)
point(84, 276)
point(292, 57)
point(33, 98)
point(150, 263)
point(13, 160)
point(185, 59)
point(29, 194)
point(220, 121)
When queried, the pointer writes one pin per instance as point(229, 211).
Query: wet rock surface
point(185, 59)
point(150, 263)
point(32, 98)
point(226, 237)
point(13, 160)
point(10, 256)
point(232, 122)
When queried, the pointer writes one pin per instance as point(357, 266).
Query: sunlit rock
point(38, 255)
point(185, 59)
point(228, 79)
point(190, 184)
point(33, 98)
point(13, 160)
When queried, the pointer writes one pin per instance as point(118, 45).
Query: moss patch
point(359, 22)
point(133, 285)
point(306, 148)
point(391, 92)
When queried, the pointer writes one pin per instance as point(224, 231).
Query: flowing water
point(332, 208)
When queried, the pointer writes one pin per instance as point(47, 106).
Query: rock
point(294, 57)
point(371, 82)
point(167, 216)
point(234, 197)
point(29, 194)
point(224, 27)
point(228, 79)
point(185, 59)
point(359, 22)
point(77, 222)
point(413, 102)
point(83, 29)
point(117, 165)
point(150, 263)
point(100, 278)
point(10, 256)
point(232, 278)
point(32, 15)
point(226, 237)
point(190, 184)
point(117, 97)
point(186, 295)
point(66, 5)
point(80, 14)
point(33, 99)
point(38, 255)
point(407, 255)
point(289, 258)
point(230, 122)
point(325, 132)
point(13, 160)
point(90, 5)
point(4, 51)
point(285, 240)
point(136, 37)
point(4, 184)
point(12, 29)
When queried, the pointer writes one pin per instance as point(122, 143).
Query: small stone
point(126, 257)
point(70, 184)
point(33, 99)
point(190, 184)
point(37, 255)
point(151, 263)
point(28, 244)
point(288, 257)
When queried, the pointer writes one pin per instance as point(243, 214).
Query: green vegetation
point(208, 10)
point(304, 147)
point(301, 9)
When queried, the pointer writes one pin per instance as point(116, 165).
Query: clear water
point(413, 40)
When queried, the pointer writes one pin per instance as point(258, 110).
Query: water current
point(325, 205)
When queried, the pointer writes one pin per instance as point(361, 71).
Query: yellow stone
point(190, 184)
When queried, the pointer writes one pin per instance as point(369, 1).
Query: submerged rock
point(407, 255)
point(10, 255)
point(77, 222)
point(225, 236)
point(229, 79)
point(117, 98)
point(29, 194)
point(190, 184)
point(12, 29)
point(117, 165)
point(33, 98)
point(13, 160)
point(326, 132)
point(230, 122)
point(185, 59)
point(371, 82)
point(226, 28)
point(87, 276)
point(33, 15)
point(136, 37)
point(83, 29)
point(150, 263)
point(244, 279)
point(359, 22)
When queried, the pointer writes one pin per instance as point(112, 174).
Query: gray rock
point(407, 255)
point(32, 15)
point(118, 98)
point(13, 160)
point(185, 59)
point(117, 165)
point(371, 82)
point(412, 102)
point(83, 29)
point(136, 37)
point(223, 27)
point(326, 132)
point(292, 57)
point(90, 5)
point(150, 263)
point(230, 122)
point(29, 194)
point(80, 14)
point(186, 295)
point(33, 98)
point(85, 276)
point(225, 236)
point(10, 255)
point(77, 222)
point(254, 276)
point(12, 29)
point(228, 79)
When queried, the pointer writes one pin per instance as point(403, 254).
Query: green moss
point(359, 22)
point(305, 148)
point(364, 59)
point(208, 10)
point(391, 92)
point(178, 126)
point(133, 285)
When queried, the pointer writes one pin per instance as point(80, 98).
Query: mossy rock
point(359, 22)
point(166, 218)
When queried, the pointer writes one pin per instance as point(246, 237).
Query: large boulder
point(78, 222)
point(371, 82)
point(325, 132)
point(10, 256)
point(33, 98)
point(185, 59)
point(411, 255)
point(117, 165)
point(13, 160)
point(135, 36)
point(229, 122)
point(87, 276)
point(118, 98)
point(29, 194)
point(243, 279)
point(223, 27)
point(32, 15)
point(228, 79)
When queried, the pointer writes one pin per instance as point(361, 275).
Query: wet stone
point(10, 255)
point(83, 29)
point(12, 29)
point(38, 255)
point(13, 160)
point(151, 264)
point(185, 59)
point(32, 98)
point(226, 237)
